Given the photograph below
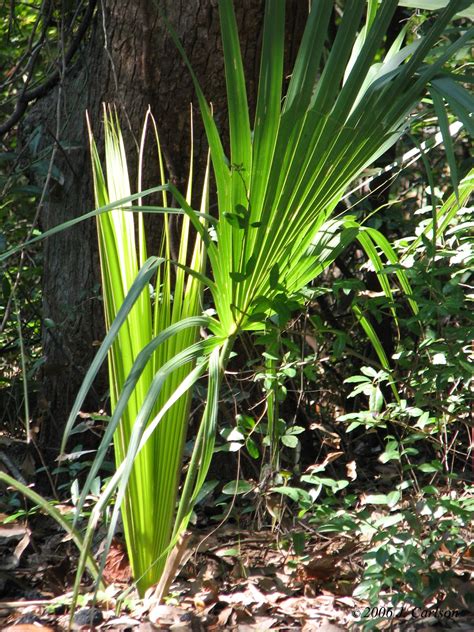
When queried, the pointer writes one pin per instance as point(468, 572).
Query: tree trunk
point(129, 60)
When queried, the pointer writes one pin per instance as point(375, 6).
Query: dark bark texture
point(129, 60)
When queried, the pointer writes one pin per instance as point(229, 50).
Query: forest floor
point(230, 579)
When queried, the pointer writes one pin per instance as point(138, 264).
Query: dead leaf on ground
point(125, 621)
point(22, 544)
point(242, 598)
point(12, 529)
point(324, 626)
point(28, 627)
point(319, 569)
point(341, 588)
point(166, 615)
point(117, 566)
point(273, 587)
point(224, 616)
point(261, 625)
point(207, 594)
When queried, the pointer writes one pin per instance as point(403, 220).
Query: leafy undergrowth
point(304, 574)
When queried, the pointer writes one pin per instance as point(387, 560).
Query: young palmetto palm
point(149, 499)
point(274, 233)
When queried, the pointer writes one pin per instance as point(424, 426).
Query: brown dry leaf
point(28, 627)
point(324, 626)
point(273, 587)
point(166, 615)
point(117, 567)
point(341, 588)
point(210, 568)
point(207, 594)
point(300, 607)
point(65, 509)
point(242, 614)
point(146, 626)
point(180, 554)
point(12, 529)
point(347, 602)
point(311, 341)
point(319, 568)
point(224, 616)
point(331, 438)
point(332, 456)
point(125, 621)
point(351, 469)
point(238, 598)
point(469, 553)
point(258, 596)
point(262, 624)
point(22, 544)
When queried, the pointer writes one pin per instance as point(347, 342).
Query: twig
point(40, 91)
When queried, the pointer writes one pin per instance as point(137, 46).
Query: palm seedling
point(275, 231)
point(175, 298)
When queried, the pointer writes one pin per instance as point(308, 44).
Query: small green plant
point(410, 559)
point(422, 527)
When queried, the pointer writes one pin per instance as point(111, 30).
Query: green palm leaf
point(144, 335)
point(284, 181)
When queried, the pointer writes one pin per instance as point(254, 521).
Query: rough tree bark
point(128, 60)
